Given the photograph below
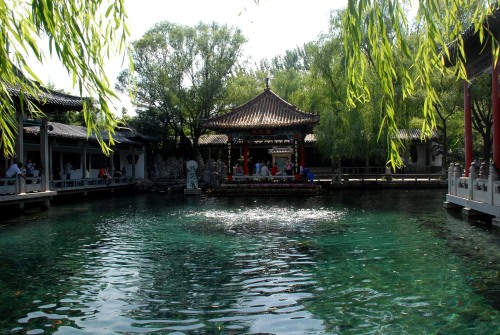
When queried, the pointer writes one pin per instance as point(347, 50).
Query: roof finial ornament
point(267, 83)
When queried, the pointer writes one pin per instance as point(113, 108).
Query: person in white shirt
point(67, 169)
point(15, 169)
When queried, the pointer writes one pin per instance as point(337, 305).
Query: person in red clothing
point(274, 170)
point(104, 173)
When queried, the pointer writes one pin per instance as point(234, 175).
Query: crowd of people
point(28, 170)
point(266, 169)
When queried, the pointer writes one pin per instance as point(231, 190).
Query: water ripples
point(256, 269)
point(134, 285)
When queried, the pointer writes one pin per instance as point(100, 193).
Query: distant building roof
point(221, 140)
point(265, 111)
point(415, 134)
point(49, 100)
point(65, 131)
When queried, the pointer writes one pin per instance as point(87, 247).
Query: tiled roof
point(134, 135)
point(415, 134)
point(217, 139)
point(65, 131)
point(266, 110)
point(474, 48)
point(54, 100)
point(221, 139)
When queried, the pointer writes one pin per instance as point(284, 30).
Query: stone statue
point(192, 175)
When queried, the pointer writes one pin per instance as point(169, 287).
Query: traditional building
point(265, 120)
point(50, 145)
point(477, 189)
point(422, 156)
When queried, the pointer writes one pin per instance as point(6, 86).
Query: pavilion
point(49, 145)
point(270, 119)
point(477, 189)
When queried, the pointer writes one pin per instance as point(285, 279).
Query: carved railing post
point(483, 171)
point(493, 176)
point(473, 171)
point(451, 179)
point(457, 173)
point(472, 177)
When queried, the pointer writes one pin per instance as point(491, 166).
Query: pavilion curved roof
point(265, 111)
point(49, 101)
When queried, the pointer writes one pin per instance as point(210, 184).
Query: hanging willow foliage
point(82, 34)
point(385, 30)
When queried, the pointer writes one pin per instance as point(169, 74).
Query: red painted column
point(245, 158)
point(496, 114)
point(468, 128)
point(229, 146)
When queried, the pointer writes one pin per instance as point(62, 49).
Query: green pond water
point(352, 262)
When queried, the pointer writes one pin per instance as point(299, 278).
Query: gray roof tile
point(266, 110)
point(65, 131)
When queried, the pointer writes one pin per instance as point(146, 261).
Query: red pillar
point(468, 128)
point(245, 158)
point(229, 158)
point(496, 114)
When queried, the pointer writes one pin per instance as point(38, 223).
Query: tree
point(482, 116)
point(384, 26)
point(450, 93)
point(182, 72)
point(244, 85)
point(343, 133)
point(81, 34)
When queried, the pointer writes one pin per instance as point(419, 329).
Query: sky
point(271, 26)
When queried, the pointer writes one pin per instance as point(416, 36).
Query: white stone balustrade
point(480, 191)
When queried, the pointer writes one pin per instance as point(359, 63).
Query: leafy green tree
point(154, 123)
point(182, 74)
point(81, 34)
point(383, 25)
point(343, 133)
point(296, 59)
point(482, 116)
point(449, 114)
point(244, 84)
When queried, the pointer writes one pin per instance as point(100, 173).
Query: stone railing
point(67, 184)
point(13, 185)
point(481, 186)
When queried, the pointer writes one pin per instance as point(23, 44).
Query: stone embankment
point(170, 175)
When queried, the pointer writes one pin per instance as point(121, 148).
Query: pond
point(351, 262)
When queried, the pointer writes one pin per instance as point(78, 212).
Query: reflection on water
point(349, 263)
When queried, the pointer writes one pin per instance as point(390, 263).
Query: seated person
point(14, 170)
point(103, 173)
point(238, 170)
point(303, 174)
point(264, 171)
point(29, 168)
point(310, 177)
